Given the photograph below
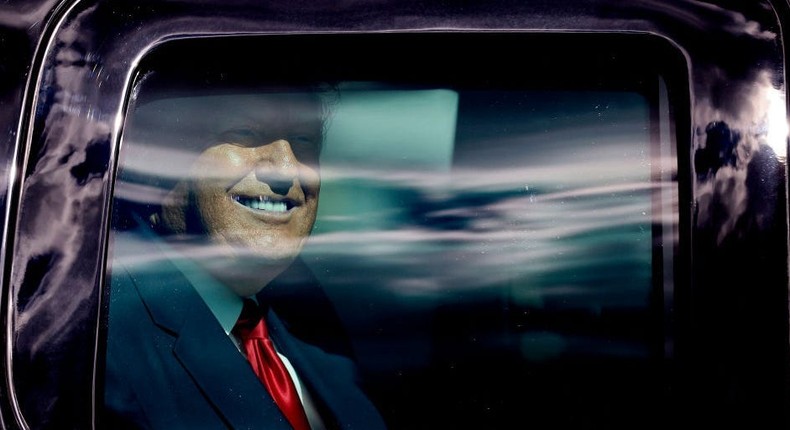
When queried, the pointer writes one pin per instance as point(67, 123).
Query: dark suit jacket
point(170, 365)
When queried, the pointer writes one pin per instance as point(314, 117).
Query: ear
point(174, 208)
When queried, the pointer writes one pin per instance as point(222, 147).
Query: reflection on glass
point(477, 251)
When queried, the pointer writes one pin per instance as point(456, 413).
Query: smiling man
point(213, 320)
point(254, 193)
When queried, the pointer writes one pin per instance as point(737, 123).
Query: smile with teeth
point(263, 203)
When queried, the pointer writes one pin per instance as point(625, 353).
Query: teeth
point(261, 203)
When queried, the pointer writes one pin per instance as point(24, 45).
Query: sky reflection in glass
point(544, 202)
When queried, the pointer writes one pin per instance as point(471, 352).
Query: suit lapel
point(205, 351)
point(331, 378)
point(225, 376)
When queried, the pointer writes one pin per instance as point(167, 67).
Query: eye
point(306, 147)
point(301, 139)
point(240, 136)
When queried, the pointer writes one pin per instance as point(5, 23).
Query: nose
point(278, 185)
point(278, 166)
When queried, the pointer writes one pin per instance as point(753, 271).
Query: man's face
point(256, 190)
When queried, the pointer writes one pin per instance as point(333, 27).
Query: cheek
point(233, 158)
point(310, 180)
point(307, 221)
point(221, 163)
point(312, 192)
point(214, 207)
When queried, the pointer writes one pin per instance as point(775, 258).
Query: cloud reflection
point(478, 228)
point(503, 241)
point(564, 214)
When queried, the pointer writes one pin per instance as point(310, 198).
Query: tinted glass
point(477, 242)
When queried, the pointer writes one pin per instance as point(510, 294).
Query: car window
point(453, 241)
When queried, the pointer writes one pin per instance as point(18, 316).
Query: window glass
point(442, 253)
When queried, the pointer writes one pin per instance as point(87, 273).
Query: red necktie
point(251, 330)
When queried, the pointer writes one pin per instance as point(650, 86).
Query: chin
point(256, 244)
point(249, 274)
point(270, 254)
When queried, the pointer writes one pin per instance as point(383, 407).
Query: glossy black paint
point(61, 132)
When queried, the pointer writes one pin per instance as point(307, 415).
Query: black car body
point(716, 324)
